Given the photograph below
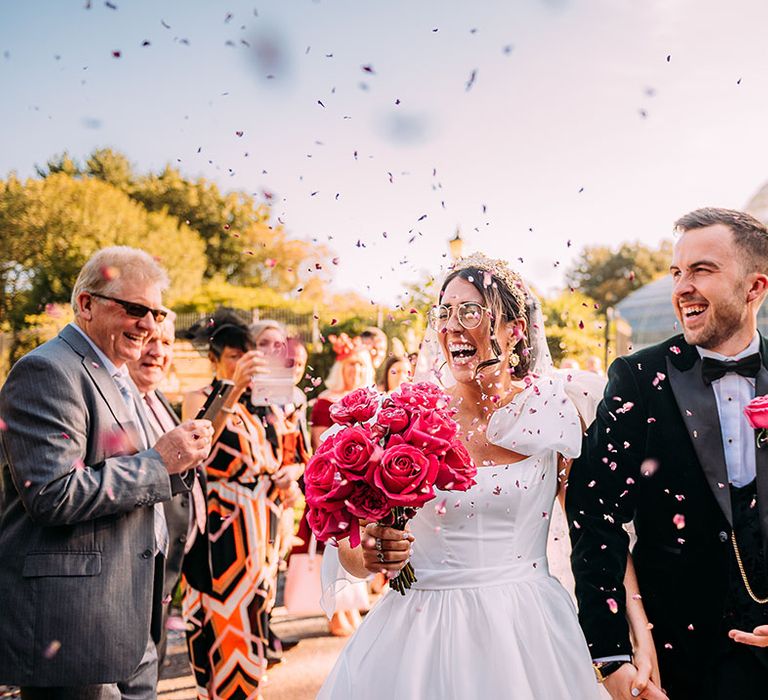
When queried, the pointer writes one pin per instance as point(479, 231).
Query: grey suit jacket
point(76, 522)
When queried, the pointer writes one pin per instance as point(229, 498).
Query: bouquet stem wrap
point(407, 577)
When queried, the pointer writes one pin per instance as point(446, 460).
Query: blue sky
point(586, 122)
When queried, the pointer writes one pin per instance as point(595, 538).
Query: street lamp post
point(609, 316)
point(456, 246)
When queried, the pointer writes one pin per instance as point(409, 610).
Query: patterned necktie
point(161, 526)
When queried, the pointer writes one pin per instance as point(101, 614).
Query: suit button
point(146, 554)
point(723, 535)
point(182, 539)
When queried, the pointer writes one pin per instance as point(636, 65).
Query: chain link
point(759, 601)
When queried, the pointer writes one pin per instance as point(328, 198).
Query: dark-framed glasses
point(469, 313)
point(135, 310)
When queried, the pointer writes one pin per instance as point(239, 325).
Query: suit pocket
point(37, 564)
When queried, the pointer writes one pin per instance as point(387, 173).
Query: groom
point(672, 451)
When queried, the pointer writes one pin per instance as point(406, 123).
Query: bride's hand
point(647, 665)
point(385, 550)
point(623, 684)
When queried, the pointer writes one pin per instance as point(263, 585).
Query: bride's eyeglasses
point(469, 313)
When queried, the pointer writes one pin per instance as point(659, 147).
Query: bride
point(485, 618)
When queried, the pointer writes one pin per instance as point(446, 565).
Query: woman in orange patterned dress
point(227, 645)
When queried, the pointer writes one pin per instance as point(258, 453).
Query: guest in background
point(185, 513)
point(227, 650)
point(397, 370)
point(594, 364)
point(291, 452)
point(352, 370)
point(377, 343)
point(299, 397)
point(569, 363)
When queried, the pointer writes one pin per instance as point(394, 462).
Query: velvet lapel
point(698, 408)
point(761, 454)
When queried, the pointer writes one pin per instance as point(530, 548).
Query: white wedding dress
point(485, 619)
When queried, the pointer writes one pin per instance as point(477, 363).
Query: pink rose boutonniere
point(756, 412)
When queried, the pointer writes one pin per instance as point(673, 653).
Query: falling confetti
point(52, 649)
point(109, 273)
point(471, 81)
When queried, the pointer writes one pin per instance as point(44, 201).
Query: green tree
point(111, 167)
point(608, 275)
point(55, 224)
point(242, 244)
point(574, 327)
point(62, 163)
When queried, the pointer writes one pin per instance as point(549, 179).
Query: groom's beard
point(725, 320)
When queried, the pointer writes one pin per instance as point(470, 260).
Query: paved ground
point(298, 677)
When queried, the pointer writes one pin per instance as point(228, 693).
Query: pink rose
point(356, 407)
point(367, 502)
point(432, 431)
point(457, 470)
point(322, 480)
point(334, 522)
point(756, 412)
point(355, 450)
point(405, 474)
point(420, 395)
point(393, 418)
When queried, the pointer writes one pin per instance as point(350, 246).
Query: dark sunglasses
point(135, 310)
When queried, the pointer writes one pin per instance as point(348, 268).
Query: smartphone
point(215, 401)
point(276, 385)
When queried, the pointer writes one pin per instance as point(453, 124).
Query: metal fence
point(299, 325)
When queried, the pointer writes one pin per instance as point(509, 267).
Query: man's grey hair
point(107, 268)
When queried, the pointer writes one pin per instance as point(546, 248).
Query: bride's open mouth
point(461, 353)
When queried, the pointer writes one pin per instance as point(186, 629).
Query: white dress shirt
point(732, 393)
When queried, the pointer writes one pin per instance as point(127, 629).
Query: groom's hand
point(758, 637)
point(627, 683)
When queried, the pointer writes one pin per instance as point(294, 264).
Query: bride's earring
point(513, 359)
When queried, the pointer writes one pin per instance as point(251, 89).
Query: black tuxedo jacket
point(653, 453)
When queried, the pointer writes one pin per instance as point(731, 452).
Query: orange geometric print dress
point(228, 656)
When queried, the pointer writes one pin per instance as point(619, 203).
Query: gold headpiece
point(499, 269)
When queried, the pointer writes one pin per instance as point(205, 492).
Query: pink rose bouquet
point(756, 412)
point(385, 463)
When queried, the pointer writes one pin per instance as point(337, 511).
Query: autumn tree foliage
point(51, 224)
point(607, 275)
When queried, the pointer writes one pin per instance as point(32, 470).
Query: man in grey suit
point(79, 530)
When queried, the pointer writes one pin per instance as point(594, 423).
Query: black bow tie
point(712, 369)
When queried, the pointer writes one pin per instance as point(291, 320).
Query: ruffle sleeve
point(541, 417)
